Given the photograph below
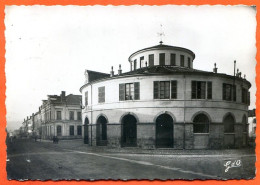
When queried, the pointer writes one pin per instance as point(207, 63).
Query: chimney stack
point(119, 70)
point(215, 69)
point(112, 71)
point(63, 94)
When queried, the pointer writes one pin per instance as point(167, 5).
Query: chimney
point(215, 69)
point(63, 94)
point(237, 75)
point(119, 70)
point(244, 76)
point(111, 72)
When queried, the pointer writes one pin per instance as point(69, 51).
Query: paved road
point(73, 160)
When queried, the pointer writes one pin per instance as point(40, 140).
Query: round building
point(162, 102)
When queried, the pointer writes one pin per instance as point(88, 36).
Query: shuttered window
point(135, 64)
point(174, 89)
point(129, 91)
point(227, 92)
point(86, 98)
point(161, 89)
point(101, 94)
point(173, 59)
point(198, 90)
point(182, 60)
point(121, 92)
point(162, 59)
point(209, 90)
point(189, 62)
point(151, 60)
point(245, 96)
point(137, 91)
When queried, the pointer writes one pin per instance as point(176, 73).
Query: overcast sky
point(48, 48)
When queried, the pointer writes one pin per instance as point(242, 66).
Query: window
point(101, 94)
point(198, 90)
point(79, 116)
point(182, 60)
point(209, 90)
point(135, 64)
point(189, 63)
point(162, 59)
point(141, 61)
point(173, 59)
point(227, 92)
point(245, 96)
point(151, 60)
point(161, 89)
point(71, 115)
point(79, 130)
point(58, 115)
point(129, 91)
point(86, 98)
point(71, 130)
point(201, 124)
point(174, 89)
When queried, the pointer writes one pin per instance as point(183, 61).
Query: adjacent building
point(59, 115)
point(163, 102)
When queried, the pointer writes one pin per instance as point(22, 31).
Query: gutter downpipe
point(91, 117)
point(184, 116)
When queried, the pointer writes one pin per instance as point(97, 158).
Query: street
point(72, 159)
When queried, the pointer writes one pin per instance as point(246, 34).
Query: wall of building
point(182, 110)
point(156, 53)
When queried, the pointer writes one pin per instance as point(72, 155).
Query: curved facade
point(165, 104)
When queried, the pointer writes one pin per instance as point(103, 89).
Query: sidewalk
point(78, 144)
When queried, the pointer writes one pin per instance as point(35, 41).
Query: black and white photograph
point(130, 92)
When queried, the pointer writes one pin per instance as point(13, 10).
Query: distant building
point(252, 123)
point(57, 116)
point(162, 102)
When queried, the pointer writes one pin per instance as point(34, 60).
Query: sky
point(48, 48)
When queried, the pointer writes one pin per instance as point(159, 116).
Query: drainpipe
point(91, 116)
point(184, 116)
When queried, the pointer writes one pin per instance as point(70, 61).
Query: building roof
point(167, 70)
point(161, 47)
point(94, 75)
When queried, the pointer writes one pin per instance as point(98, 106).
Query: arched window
point(229, 123)
point(201, 124)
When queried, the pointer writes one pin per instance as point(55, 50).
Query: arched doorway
point(164, 131)
point(201, 130)
point(86, 125)
point(101, 131)
point(229, 131)
point(129, 131)
point(58, 130)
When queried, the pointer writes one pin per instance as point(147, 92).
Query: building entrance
point(164, 131)
point(86, 125)
point(129, 131)
point(101, 131)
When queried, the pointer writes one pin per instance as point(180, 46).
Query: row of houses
point(59, 115)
